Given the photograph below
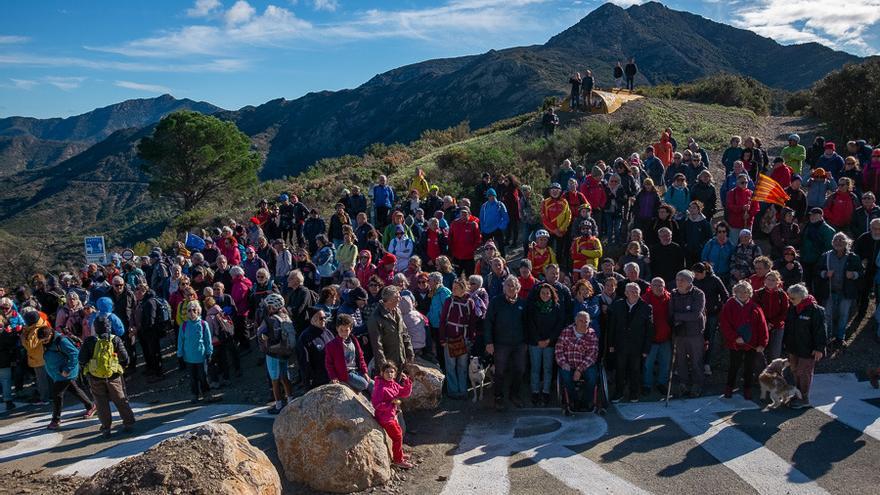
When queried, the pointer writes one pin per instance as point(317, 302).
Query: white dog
point(479, 376)
point(773, 383)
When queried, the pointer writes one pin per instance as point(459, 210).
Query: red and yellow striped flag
point(769, 191)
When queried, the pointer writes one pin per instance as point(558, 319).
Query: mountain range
point(44, 160)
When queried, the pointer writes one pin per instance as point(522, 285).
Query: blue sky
point(61, 58)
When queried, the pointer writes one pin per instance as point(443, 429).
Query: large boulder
point(427, 387)
point(212, 459)
point(329, 440)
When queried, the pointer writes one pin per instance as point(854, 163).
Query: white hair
point(236, 271)
point(631, 266)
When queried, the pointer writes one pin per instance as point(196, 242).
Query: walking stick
point(671, 367)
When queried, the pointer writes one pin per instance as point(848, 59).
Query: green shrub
point(798, 103)
point(446, 136)
point(846, 101)
point(723, 89)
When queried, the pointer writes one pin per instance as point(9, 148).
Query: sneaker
point(54, 425)
point(873, 377)
point(798, 404)
point(633, 400)
point(105, 433)
point(403, 464)
point(195, 400)
point(707, 370)
point(128, 429)
point(90, 412)
point(273, 410)
point(536, 399)
point(617, 399)
point(11, 405)
point(567, 411)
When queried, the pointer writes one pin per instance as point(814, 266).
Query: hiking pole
point(671, 367)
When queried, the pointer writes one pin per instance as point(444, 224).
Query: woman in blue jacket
point(194, 347)
point(717, 251)
point(62, 366)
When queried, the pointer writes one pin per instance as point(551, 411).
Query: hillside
point(27, 143)
point(670, 46)
point(102, 191)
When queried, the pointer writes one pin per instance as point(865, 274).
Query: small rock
point(442, 478)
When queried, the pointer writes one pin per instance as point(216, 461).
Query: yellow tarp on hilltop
point(605, 101)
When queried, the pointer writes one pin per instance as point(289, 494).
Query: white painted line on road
point(202, 415)
point(842, 397)
point(755, 464)
point(480, 464)
point(31, 436)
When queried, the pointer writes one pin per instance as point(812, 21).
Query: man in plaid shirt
point(577, 350)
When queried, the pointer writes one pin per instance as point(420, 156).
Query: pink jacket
point(241, 290)
point(384, 392)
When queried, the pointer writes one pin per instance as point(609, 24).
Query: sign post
point(96, 250)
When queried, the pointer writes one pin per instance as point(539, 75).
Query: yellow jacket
point(33, 345)
point(421, 185)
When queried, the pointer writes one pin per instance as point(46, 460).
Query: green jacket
point(816, 240)
point(794, 157)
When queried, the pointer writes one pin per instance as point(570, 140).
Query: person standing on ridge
point(630, 71)
point(618, 76)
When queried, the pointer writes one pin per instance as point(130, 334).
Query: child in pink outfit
point(387, 393)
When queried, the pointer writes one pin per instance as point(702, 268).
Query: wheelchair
point(598, 399)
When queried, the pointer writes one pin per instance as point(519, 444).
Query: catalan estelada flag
point(769, 191)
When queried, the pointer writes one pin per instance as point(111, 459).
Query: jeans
point(44, 384)
point(612, 224)
point(661, 354)
point(588, 376)
point(774, 346)
point(456, 373)
point(198, 379)
point(837, 311)
point(357, 381)
point(510, 363)
point(542, 368)
point(6, 383)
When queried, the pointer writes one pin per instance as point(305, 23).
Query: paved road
point(706, 445)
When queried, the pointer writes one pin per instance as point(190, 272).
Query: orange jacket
point(585, 250)
point(540, 258)
point(556, 216)
point(663, 150)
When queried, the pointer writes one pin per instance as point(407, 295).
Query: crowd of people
point(634, 266)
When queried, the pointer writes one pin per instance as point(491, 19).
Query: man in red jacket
point(661, 348)
point(740, 208)
point(464, 239)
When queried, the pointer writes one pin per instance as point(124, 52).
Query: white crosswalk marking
point(138, 444)
point(480, 464)
point(755, 464)
point(842, 397)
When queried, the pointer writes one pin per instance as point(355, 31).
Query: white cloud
point(239, 13)
point(278, 26)
point(148, 88)
point(65, 83)
point(627, 3)
point(840, 24)
point(25, 84)
point(328, 5)
point(12, 40)
point(31, 60)
point(204, 8)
